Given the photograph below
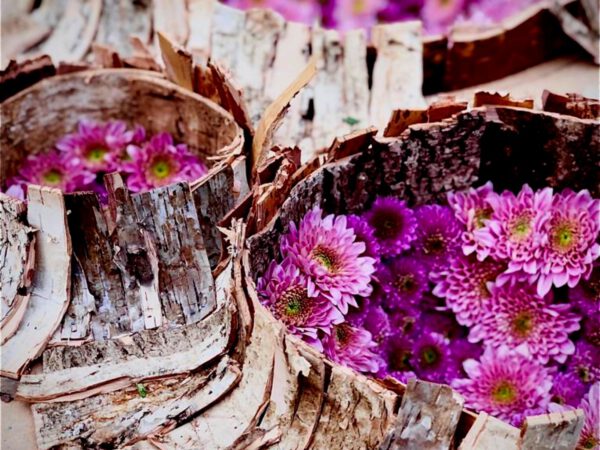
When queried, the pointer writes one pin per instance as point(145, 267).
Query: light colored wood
point(170, 18)
point(178, 62)
point(200, 25)
point(17, 427)
point(555, 431)
point(50, 292)
point(489, 433)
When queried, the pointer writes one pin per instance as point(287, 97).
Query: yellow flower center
point(96, 154)
point(359, 7)
point(520, 228)
point(52, 177)
point(293, 306)
point(504, 392)
point(327, 257)
point(161, 169)
point(563, 236)
point(523, 324)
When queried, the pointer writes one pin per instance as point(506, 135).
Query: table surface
point(564, 75)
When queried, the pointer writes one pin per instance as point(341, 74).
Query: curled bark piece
point(177, 61)
point(17, 261)
point(50, 292)
point(19, 76)
point(123, 417)
point(483, 98)
point(427, 418)
point(571, 104)
point(489, 433)
point(555, 431)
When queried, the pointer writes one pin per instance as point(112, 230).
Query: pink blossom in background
point(352, 347)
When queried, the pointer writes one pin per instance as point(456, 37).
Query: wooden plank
point(555, 431)
point(489, 433)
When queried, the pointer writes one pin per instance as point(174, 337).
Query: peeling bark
point(19, 76)
point(50, 291)
point(17, 264)
point(489, 433)
point(556, 431)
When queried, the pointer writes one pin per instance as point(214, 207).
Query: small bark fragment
point(483, 98)
point(571, 104)
point(50, 292)
point(178, 62)
point(19, 76)
point(351, 143)
point(17, 261)
point(427, 418)
point(398, 70)
point(489, 433)
point(556, 431)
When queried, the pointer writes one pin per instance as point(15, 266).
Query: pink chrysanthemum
point(325, 250)
point(365, 233)
point(159, 162)
point(506, 384)
point(350, 14)
point(396, 352)
point(431, 357)
point(372, 318)
point(472, 209)
point(438, 15)
point(590, 433)
point(514, 232)
point(516, 316)
point(466, 286)
point(394, 224)
point(291, 298)
point(584, 362)
point(438, 235)
point(352, 347)
point(403, 281)
point(570, 247)
point(567, 389)
point(586, 295)
point(97, 146)
point(54, 169)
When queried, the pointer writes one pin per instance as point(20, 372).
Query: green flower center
point(293, 305)
point(523, 324)
point(521, 228)
point(563, 236)
point(504, 393)
point(52, 177)
point(430, 355)
point(481, 215)
point(96, 154)
point(161, 169)
point(588, 442)
point(405, 283)
point(327, 257)
point(434, 244)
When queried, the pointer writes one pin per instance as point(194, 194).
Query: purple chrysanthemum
point(465, 285)
point(570, 247)
point(291, 298)
point(584, 362)
point(567, 389)
point(394, 224)
point(352, 347)
point(438, 235)
point(365, 233)
point(590, 403)
point(97, 146)
point(159, 162)
point(515, 231)
point(325, 250)
point(586, 295)
point(472, 209)
point(350, 14)
point(372, 318)
point(438, 15)
point(431, 357)
point(403, 281)
point(516, 316)
point(404, 317)
point(506, 384)
point(54, 169)
point(396, 352)
point(591, 328)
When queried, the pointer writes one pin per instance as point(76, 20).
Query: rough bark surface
point(19, 76)
point(427, 418)
point(121, 19)
point(50, 291)
point(556, 431)
point(489, 433)
point(17, 261)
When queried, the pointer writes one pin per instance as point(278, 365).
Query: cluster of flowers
point(437, 15)
point(78, 161)
point(496, 294)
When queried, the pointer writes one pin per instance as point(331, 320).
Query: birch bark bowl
point(508, 146)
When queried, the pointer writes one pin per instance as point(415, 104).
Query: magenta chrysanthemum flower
point(403, 281)
point(365, 233)
point(394, 224)
point(586, 295)
point(506, 384)
point(472, 209)
point(291, 298)
point(396, 352)
point(404, 317)
point(438, 235)
point(438, 15)
point(372, 318)
point(97, 146)
point(584, 362)
point(570, 247)
point(516, 316)
point(465, 285)
point(431, 357)
point(350, 14)
point(567, 389)
point(305, 11)
point(326, 250)
point(590, 403)
point(159, 162)
point(54, 169)
point(352, 347)
point(591, 329)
